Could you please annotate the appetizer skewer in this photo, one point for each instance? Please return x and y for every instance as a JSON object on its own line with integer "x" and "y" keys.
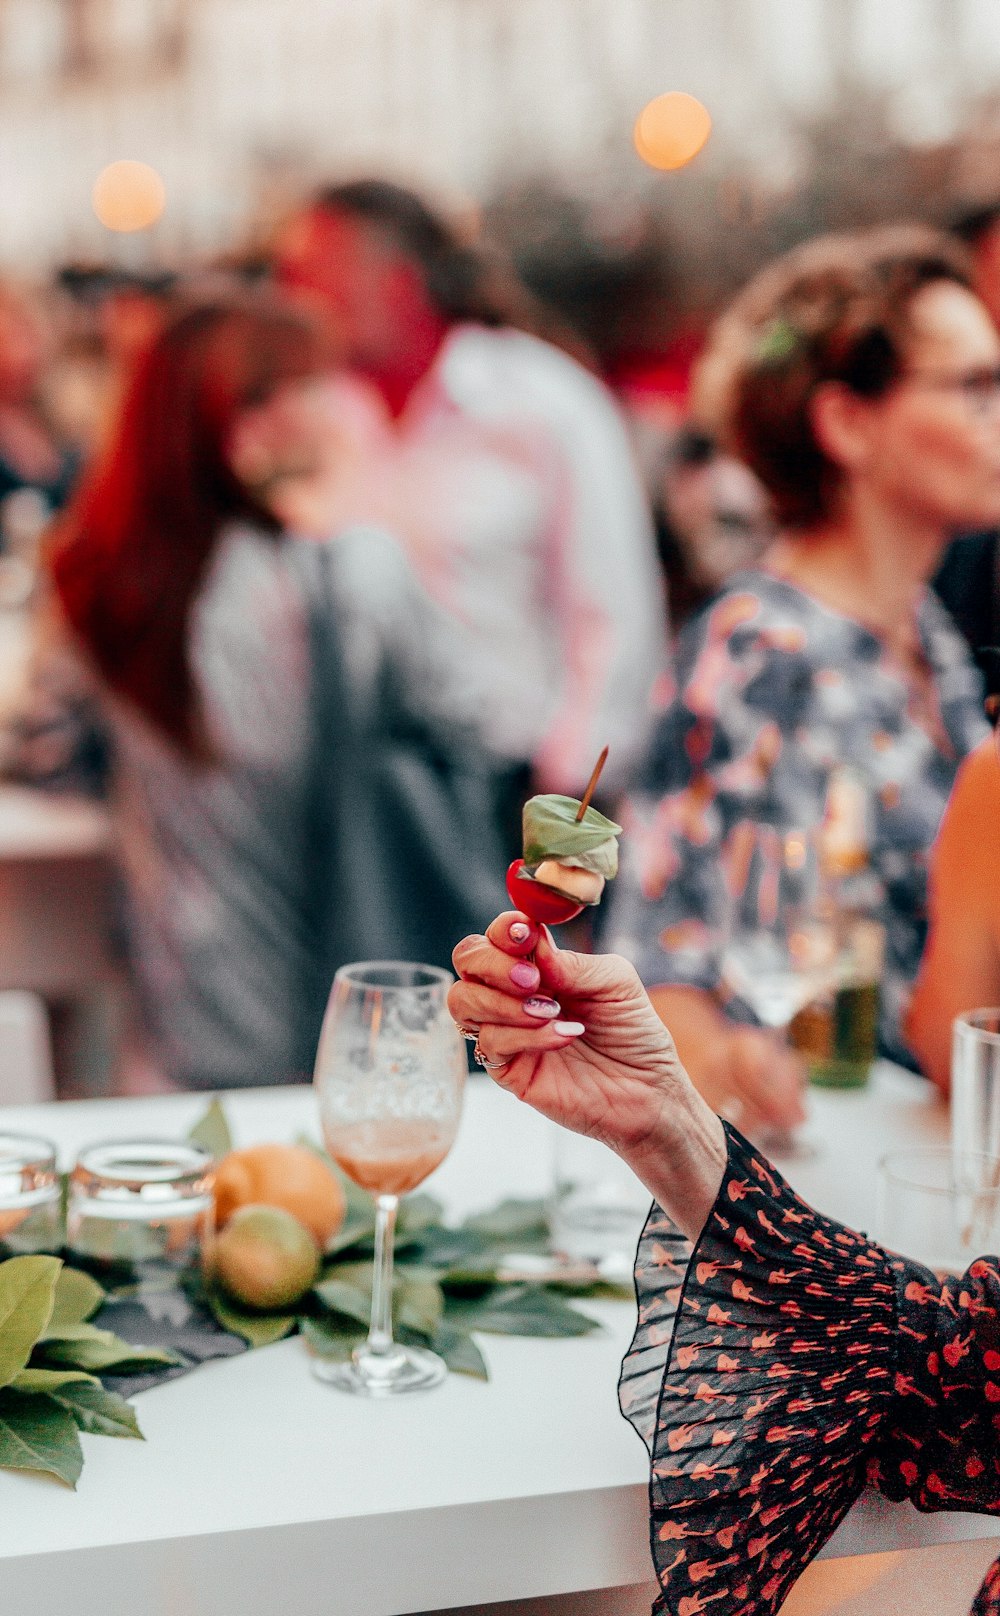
{"x": 570, "y": 851}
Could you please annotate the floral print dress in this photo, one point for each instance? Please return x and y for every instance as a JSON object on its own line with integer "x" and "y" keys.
{"x": 775, "y": 692}
{"x": 791, "y": 1363}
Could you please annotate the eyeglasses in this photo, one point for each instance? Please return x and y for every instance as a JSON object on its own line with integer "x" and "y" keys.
{"x": 980, "y": 388}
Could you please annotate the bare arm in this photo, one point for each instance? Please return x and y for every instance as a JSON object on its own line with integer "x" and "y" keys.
{"x": 960, "y": 969}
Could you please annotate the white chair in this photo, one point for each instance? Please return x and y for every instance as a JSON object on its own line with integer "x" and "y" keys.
{"x": 25, "y": 1050}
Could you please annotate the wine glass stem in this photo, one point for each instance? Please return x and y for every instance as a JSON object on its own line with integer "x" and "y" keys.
{"x": 380, "y": 1331}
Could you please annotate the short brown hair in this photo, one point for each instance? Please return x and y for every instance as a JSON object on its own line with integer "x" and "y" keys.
{"x": 835, "y": 309}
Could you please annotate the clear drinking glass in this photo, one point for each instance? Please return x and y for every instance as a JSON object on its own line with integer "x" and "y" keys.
{"x": 598, "y": 1205}
{"x": 780, "y": 952}
{"x": 928, "y": 1211}
{"x": 975, "y": 1085}
{"x": 390, "y": 1072}
{"x": 30, "y": 1201}
{"x": 140, "y": 1206}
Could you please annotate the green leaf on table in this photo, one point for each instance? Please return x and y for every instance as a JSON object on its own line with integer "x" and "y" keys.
{"x": 597, "y": 1290}
{"x": 329, "y": 1340}
{"x": 212, "y": 1133}
{"x": 77, "y": 1298}
{"x": 257, "y": 1329}
{"x": 459, "y": 1352}
{"x": 345, "y": 1297}
{"x": 36, "y": 1433}
{"x": 417, "y": 1213}
{"x": 98, "y": 1412}
{"x": 526, "y": 1310}
{"x": 49, "y": 1380}
{"x": 417, "y": 1303}
{"x": 353, "y": 1232}
{"x": 511, "y": 1220}
{"x": 84, "y": 1346}
{"x": 27, "y": 1290}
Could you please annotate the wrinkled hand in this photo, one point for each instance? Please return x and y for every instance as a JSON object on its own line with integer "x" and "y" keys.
{"x": 576, "y": 1034}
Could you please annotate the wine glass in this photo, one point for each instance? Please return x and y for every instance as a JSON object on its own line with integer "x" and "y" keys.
{"x": 390, "y": 1071}
{"x": 780, "y": 950}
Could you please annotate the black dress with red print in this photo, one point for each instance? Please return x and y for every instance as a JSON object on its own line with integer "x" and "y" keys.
{"x": 794, "y": 1362}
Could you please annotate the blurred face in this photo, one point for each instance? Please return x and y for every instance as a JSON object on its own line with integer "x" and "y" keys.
{"x": 931, "y": 445}
{"x": 367, "y": 293}
{"x": 286, "y": 437}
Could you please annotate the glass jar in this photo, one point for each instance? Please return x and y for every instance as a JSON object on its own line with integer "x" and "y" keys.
{"x": 139, "y": 1206}
{"x": 30, "y": 1196}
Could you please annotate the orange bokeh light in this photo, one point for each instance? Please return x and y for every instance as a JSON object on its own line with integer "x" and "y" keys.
{"x": 128, "y": 196}
{"x": 671, "y": 130}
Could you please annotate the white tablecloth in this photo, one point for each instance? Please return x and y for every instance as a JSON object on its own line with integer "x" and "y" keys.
{"x": 261, "y": 1491}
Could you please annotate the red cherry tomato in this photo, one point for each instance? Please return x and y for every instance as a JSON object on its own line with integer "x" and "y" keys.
{"x": 539, "y": 902}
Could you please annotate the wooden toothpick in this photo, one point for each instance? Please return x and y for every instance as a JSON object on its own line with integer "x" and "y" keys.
{"x": 592, "y": 785}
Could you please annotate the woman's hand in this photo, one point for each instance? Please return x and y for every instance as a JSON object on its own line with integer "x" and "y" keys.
{"x": 747, "y": 1074}
{"x": 576, "y": 1037}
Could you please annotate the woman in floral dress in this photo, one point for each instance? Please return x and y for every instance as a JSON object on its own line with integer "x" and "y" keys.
{"x": 859, "y": 378}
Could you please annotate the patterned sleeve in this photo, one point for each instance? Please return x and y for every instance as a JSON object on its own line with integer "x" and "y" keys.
{"x": 728, "y": 755}
{"x": 802, "y": 1361}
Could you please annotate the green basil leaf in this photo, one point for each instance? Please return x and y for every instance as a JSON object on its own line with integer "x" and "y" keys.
{"x": 98, "y": 1412}
{"x": 550, "y": 829}
{"x": 27, "y": 1291}
{"x": 259, "y": 1329}
{"x": 212, "y": 1132}
{"x": 37, "y": 1434}
{"x": 77, "y": 1298}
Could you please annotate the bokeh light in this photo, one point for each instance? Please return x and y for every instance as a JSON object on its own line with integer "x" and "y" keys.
{"x": 671, "y": 130}
{"x": 128, "y": 196}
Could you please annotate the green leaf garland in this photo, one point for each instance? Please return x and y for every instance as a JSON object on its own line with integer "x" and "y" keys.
{"x": 27, "y": 1294}
{"x": 37, "y": 1433}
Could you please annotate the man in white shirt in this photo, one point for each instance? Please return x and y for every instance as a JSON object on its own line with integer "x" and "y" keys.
{"x": 504, "y": 467}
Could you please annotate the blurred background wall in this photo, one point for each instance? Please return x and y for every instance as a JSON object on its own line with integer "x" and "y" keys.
{"x": 236, "y": 102}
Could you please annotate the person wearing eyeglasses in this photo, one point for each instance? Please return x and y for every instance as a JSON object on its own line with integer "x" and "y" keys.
{"x": 858, "y": 378}
{"x": 793, "y": 1360}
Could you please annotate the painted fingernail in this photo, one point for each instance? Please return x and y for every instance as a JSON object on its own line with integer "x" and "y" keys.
{"x": 519, "y": 932}
{"x": 524, "y": 974}
{"x": 568, "y": 1029}
{"x": 544, "y": 1009}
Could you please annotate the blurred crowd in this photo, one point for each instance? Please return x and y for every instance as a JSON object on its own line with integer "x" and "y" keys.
{"x": 332, "y": 559}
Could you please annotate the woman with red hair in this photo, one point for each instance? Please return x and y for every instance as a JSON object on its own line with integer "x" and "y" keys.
{"x": 275, "y": 726}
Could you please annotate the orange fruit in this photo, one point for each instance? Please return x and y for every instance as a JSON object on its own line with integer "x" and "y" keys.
{"x": 265, "y": 1258}
{"x": 289, "y": 1176}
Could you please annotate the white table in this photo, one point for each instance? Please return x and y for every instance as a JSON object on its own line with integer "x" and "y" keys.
{"x": 259, "y": 1490}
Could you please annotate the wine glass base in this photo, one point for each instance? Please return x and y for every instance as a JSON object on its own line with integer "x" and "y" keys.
{"x": 406, "y": 1369}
